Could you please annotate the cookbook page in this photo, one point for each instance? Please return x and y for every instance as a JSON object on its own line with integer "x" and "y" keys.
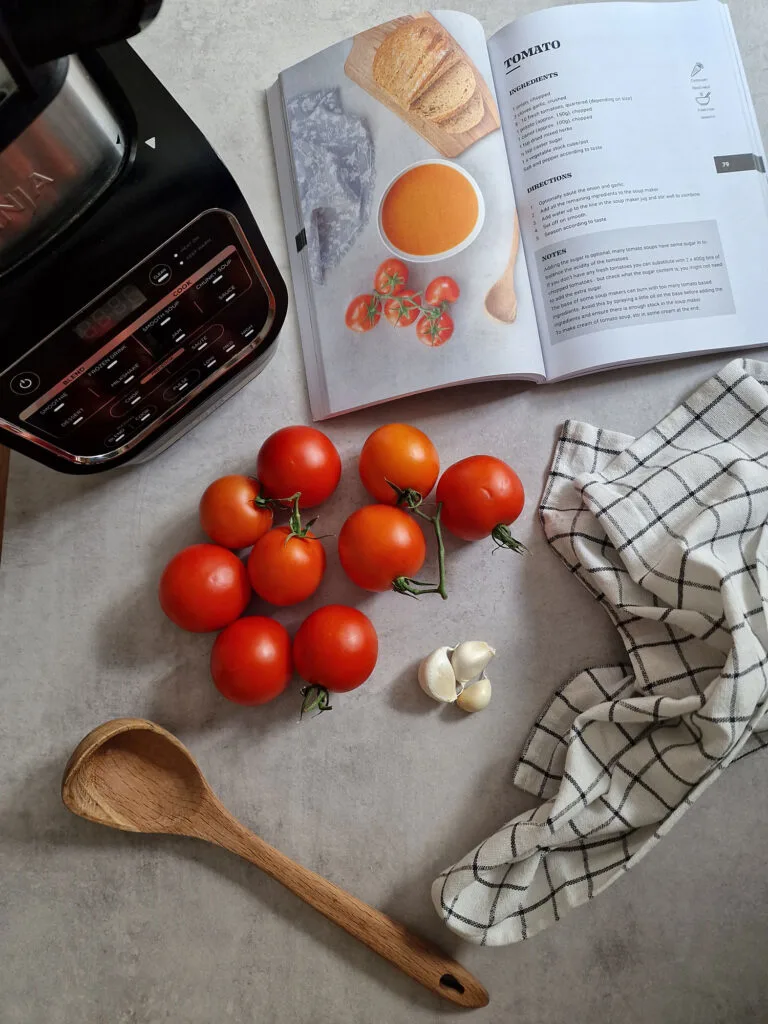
{"x": 640, "y": 177}
{"x": 401, "y": 216}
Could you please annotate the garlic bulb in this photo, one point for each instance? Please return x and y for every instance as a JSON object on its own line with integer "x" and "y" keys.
{"x": 475, "y": 697}
{"x": 470, "y": 659}
{"x": 436, "y": 676}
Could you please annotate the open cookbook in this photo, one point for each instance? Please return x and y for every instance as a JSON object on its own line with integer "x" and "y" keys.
{"x": 585, "y": 189}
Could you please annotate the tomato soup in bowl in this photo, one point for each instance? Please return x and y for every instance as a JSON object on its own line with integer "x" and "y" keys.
{"x": 431, "y": 210}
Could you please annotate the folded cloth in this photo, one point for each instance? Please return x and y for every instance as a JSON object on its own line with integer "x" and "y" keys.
{"x": 335, "y": 173}
{"x": 668, "y": 533}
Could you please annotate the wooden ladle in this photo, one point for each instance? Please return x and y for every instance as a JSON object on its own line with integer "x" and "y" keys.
{"x": 501, "y": 300}
{"x": 134, "y": 775}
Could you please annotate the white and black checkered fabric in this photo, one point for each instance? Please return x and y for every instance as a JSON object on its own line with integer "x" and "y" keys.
{"x": 668, "y": 532}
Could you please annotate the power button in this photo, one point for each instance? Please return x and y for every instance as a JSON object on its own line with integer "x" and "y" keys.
{"x": 25, "y": 383}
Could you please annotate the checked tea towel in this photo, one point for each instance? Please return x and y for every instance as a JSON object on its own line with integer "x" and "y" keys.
{"x": 668, "y": 532}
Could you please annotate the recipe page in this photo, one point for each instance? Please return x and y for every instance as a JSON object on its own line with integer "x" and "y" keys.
{"x": 393, "y": 162}
{"x": 640, "y": 179}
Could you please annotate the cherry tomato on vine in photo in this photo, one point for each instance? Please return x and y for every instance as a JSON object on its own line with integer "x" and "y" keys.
{"x": 402, "y": 310}
{"x": 434, "y": 330}
{"x": 391, "y": 277}
{"x": 442, "y": 289}
{"x": 363, "y": 313}
{"x": 378, "y": 544}
{"x": 336, "y": 647}
{"x": 480, "y": 497}
{"x": 204, "y": 587}
{"x": 401, "y": 455}
{"x": 251, "y": 660}
{"x": 299, "y": 459}
{"x": 284, "y": 567}
{"x": 230, "y": 513}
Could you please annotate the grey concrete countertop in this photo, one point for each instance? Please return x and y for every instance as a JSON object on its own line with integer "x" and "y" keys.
{"x": 108, "y": 928}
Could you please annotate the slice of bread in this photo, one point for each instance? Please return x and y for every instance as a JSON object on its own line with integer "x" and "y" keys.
{"x": 467, "y": 118}
{"x": 450, "y": 91}
{"x": 408, "y": 60}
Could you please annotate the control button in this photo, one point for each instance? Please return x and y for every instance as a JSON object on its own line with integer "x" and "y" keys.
{"x": 25, "y": 383}
{"x": 181, "y": 384}
{"x": 116, "y": 439}
{"x": 160, "y": 274}
{"x": 210, "y": 362}
{"x": 131, "y": 400}
{"x": 144, "y": 415}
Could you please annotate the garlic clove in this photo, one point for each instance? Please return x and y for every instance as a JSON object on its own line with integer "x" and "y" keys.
{"x": 475, "y": 697}
{"x": 470, "y": 659}
{"x": 436, "y": 676}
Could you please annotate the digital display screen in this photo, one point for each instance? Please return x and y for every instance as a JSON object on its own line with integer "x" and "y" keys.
{"x": 110, "y": 313}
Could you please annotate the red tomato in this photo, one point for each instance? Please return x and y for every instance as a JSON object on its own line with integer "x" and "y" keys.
{"x": 434, "y": 330}
{"x": 403, "y": 309}
{"x": 379, "y": 543}
{"x": 204, "y": 587}
{"x": 299, "y": 459}
{"x": 251, "y": 660}
{"x": 336, "y": 647}
{"x": 391, "y": 277}
{"x": 479, "y": 495}
{"x": 398, "y": 454}
{"x": 285, "y": 568}
{"x": 442, "y": 289}
{"x": 229, "y": 513}
{"x": 363, "y": 313}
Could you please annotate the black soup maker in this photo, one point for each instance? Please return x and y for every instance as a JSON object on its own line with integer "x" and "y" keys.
{"x": 136, "y": 291}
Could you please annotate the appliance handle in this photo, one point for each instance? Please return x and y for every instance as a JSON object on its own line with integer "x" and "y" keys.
{"x": 43, "y": 30}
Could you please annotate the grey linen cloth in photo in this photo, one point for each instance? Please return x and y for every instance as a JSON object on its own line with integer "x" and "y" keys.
{"x": 335, "y": 174}
{"x": 668, "y": 532}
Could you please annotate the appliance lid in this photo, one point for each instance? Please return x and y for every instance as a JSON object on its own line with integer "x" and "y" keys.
{"x": 44, "y": 30}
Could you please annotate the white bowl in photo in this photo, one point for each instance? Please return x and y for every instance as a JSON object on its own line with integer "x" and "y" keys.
{"x": 432, "y": 257}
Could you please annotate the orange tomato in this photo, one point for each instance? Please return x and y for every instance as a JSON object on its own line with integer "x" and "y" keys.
{"x": 229, "y": 513}
{"x": 285, "y": 568}
{"x": 378, "y": 544}
{"x": 402, "y": 455}
{"x": 478, "y": 495}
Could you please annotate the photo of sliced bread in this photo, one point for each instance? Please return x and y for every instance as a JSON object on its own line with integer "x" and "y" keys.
{"x": 409, "y": 58}
{"x": 449, "y": 92}
{"x": 467, "y": 118}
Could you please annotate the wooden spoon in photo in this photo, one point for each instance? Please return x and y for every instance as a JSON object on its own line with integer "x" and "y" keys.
{"x": 134, "y": 775}
{"x": 501, "y": 301}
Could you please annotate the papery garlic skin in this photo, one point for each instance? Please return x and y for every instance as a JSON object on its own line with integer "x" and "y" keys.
{"x": 470, "y": 659}
{"x": 475, "y": 697}
{"x": 437, "y": 678}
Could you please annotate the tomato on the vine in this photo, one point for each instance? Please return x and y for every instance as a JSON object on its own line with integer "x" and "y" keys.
{"x": 251, "y": 660}
{"x": 363, "y": 313}
{"x": 299, "y": 459}
{"x": 401, "y": 455}
{"x": 391, "y": 277}
{"x": 230, "y": 513}
{"x": 480, "y": 497}
{"x": 204, "y": 587}
{"x": 336, "y": 648}
{"x": 434, "y": 330}
{"x": 284, "y": 567}
{"x": 379, "y": 544}
{"x": 402, "y": 310}
{"x": 442, "y": 289}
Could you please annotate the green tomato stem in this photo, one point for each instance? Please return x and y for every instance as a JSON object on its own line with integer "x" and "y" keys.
{"x": 415, "y": 588}
{"x": 502, "y": 538}
{"x": 316, "y": 698}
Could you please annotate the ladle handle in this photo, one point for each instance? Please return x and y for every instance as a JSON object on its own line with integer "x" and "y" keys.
{"x": 415, "y": 956}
